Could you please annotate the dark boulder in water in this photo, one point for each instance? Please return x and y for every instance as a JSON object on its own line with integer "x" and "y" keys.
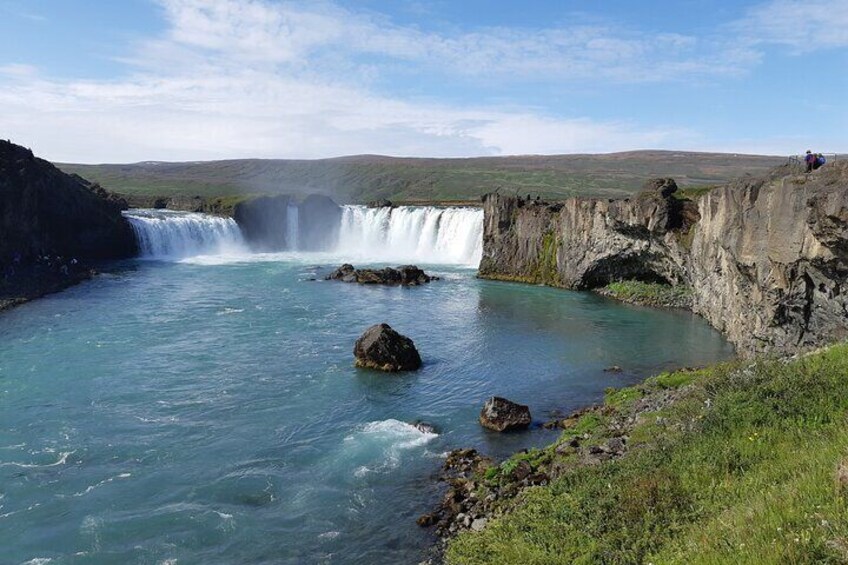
{"x": 405, "y": 275}
{"x": 44, "y": 211}
{"x": 382, "y": 348}
{"x": 500, "y": 415}
{"x": 425, "y": 428}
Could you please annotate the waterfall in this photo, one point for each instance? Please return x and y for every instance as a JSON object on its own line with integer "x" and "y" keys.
{"x": 292, "y": 228}
{"x": 165, "y": 234}
{"x": 426, "y": 234}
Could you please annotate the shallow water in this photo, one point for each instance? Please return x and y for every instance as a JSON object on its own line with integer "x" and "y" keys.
{"x": 209, "y": 411}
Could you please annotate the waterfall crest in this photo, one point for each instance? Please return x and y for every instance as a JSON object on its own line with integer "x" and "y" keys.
{"x": 406, "y": 234}
{"x": 165, "y": 234}
{"x": 426, "y": 234}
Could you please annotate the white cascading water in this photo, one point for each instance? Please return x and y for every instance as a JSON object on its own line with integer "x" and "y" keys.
{"x": 426, "y": 234}
{"x": 165, "y": 234}
{"x": 292, "y": 228}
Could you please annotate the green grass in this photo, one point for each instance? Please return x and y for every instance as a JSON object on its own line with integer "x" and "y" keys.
{"x": 649, "y": 294}
{"x": 370, "y": 177}
{"x": 741, "y": 469}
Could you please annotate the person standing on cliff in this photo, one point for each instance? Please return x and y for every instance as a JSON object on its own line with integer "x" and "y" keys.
{"x": 810, "y": 160}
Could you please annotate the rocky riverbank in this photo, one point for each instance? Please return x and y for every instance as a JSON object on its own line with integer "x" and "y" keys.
{"x": 29, "y": 283}
{"x": 765, "y": 258}
{"x": 690, "y": 466}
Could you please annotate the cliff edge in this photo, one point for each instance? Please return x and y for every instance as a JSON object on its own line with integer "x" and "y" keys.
{"x": 766, "y": 258}
{"x": 45, "y": 211}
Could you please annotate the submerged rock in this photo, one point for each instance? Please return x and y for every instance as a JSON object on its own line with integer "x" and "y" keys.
{"x": 425, "y": 428}
{"x": 405, "y": 275}
{"x": 382, "y": 348}
{"x": 500, "y": 415}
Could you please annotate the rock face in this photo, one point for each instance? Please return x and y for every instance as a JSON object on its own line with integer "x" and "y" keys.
{"x": 262, "y": 221}
{"x": 405, "y": 275}
{"x": 766, "y": 258}
{"x": 382, "y": 348}
{"x": 45, "y": 211}
{"x": 500, "y": 415}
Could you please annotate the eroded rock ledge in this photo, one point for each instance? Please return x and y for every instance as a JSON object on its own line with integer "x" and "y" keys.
{"x": 765, "y": 258}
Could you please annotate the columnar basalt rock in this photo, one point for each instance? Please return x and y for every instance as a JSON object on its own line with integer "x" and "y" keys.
{"x": 766, "y": 258}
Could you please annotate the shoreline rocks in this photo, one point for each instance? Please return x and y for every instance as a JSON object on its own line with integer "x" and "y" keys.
{"x": 500, "y": 415}
{"x": 405, "y": 275}
{"x": 382, "y": 348}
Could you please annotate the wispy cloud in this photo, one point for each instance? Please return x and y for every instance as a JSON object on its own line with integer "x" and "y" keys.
{"x": 804, "y": 26}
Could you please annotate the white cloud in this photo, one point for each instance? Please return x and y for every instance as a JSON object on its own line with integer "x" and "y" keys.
{"x": 250, "y": 78}
{"x": 803, "y": 25}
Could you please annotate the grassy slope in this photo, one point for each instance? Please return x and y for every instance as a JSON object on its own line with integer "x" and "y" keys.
{"x": 367, "y": 177}
{"x": 742, "y": 469}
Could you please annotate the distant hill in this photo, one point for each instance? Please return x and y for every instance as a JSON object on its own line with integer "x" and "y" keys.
{"x": 368, "y": 177}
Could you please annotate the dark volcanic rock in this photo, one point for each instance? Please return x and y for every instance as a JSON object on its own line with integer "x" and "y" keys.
{"x": 406, "y": 275}
{"x": 381, "y": 203}
{"x": 44, "y": 211}
{"x": 664, "y": 186}
{"x": 262, "y": 220}
{"x": 382, "y": 348}
{"x": 500, "y": 414}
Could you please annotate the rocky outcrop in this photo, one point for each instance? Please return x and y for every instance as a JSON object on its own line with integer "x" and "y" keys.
{"x": 266, "y": 222}
{"x": 500, "y": 415}
{"x": 405, "y": 275}
{"x": 384, "y": 349}
{"x": 765, "y": 258}
{"x": 582, "y": 243}
{"x": 44, "y": 211}
{"x": 262, "y": 221}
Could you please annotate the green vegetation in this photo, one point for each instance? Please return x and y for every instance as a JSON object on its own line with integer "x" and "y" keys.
{"x": 649, "y": 294}
{"x": 371, "y": 177}
{"x": 694, "y": 192}
{"x": 748, "y": 464}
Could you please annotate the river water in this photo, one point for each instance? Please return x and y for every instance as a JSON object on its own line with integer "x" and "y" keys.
{"x": 205, "y": 409}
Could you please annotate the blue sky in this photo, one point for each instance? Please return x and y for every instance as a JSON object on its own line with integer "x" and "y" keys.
{"x": 104, "y": 81}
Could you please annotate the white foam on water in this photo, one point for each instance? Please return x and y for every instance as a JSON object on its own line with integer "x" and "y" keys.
{"x": 63, "y": 458}
{"x": 170, "y": 235}
{"x": 378, "y": 446}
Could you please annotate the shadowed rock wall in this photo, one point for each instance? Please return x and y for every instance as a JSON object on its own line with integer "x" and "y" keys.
{"x": 766, "y": 258}
{"x": 45, "y": 211}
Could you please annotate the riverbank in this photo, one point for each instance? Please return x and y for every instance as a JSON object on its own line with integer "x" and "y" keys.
{"x": 29, "y": 283}
{"x": 742, "y": 462}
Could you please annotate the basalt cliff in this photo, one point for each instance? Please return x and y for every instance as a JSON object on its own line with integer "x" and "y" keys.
{"x": 44, "y": 211}
{"x": 765, "y": 258}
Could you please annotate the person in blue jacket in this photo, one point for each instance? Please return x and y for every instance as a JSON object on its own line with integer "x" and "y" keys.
{"x": 810, "y": 159}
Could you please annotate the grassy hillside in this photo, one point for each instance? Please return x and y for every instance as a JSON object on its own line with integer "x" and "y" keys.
{"x": 747, "y": 464}
{"x": 369, "y": 177}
